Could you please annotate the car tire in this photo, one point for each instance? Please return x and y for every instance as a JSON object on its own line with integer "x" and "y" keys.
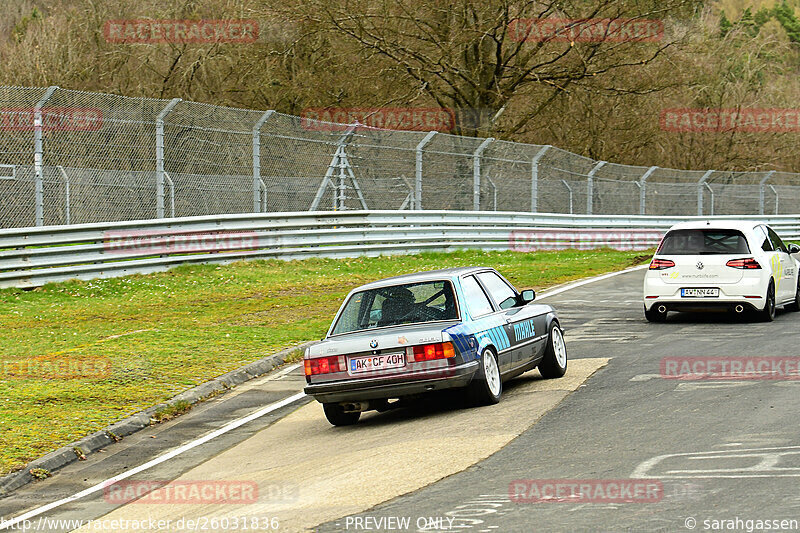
{"x": 652, "y": 315}
{"x": 768, "y": 313}
{"x": 554, "y": 363}
{"x": 795, "y": 305}
{"x": 336, "y": 415}
{"x": 486, "y": 386}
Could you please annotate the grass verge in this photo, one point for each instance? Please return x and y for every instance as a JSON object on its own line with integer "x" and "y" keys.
{"x": 77, "y": 356}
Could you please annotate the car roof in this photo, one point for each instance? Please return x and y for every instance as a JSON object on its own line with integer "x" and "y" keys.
{"x": 429, "y": 275}
{"x": 741, "y": 225}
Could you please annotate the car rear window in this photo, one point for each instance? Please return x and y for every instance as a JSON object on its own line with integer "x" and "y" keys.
{"x": 395, "y": 305}
{"x": 703, "y": 242}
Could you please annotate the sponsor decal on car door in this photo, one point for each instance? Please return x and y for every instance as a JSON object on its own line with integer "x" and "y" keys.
{"x": 782, "y": 266}
{"x": 526, "y": 328}
{"x": 522, "y": 324}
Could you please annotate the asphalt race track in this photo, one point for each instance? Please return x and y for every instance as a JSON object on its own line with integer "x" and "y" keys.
{"x": 719, "y": 449}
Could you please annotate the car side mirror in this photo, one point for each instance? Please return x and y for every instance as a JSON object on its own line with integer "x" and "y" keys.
{"x": 527, "y": 296}
{"x": 793, "y": 248}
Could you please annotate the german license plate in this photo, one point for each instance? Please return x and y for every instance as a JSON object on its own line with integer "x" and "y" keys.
{"x": 359, "y": 365}
{"x": 700, "y": 293}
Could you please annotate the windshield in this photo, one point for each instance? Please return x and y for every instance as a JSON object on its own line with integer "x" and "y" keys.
{"x": 397, "y": 304}
{"x": 704, "y": 242}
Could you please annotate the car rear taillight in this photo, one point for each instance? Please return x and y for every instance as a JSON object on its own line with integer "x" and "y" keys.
{"x": 661, "y": 264}
{"x": 324, "y": 365}
{"x": 744, "y": 264}
{"x": 429, "y": 352}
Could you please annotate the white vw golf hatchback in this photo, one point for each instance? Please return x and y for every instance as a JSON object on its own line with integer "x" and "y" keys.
{"x": 731, "y": 265}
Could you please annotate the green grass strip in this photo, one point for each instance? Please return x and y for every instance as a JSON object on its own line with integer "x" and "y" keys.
{"x": 79, "y": 355}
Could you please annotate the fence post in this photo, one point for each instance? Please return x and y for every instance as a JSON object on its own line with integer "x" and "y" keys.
{"x": 66, "y": 194}
{"x": 257, "y": 161}
{"x": 160, "y": 156}
{"x": 338, "y": 164}
{"x": 761, "y": 187}
{"x": 476, "y": 174}
{"x": 38, "y": 155}
{"x": 711, "y": 193}
{"x": 590, "y": 186}
{"x": 777, "y": 199}
{"x": 535, "y": 178}
{"x": 700, "y": 191}
{"x": 569, "y": 191}
{"x": 171, "y": 194}
{"x": 418, "y": 170}
{"x": 643, "y": 189}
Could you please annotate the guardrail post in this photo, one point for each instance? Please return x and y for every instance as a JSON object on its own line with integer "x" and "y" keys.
{"x": 643, "y": 189}
{"x": 476, "y": 174}
{"x": 38, "y": 155}
{"x": 257, "y": 200}
{"x": 160, "y": 156}
{"x": 590, "y": 186}
{"x": 418, "y": 170}
{"x": 700, "y": 191}
{"x": 535, "y": 178}
{"x": 761, "y": 191}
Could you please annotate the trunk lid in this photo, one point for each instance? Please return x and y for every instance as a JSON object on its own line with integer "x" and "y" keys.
{"x": 701, "y": 270}
{"x": 390, "y": 339}
{"x": 380, "y": 352}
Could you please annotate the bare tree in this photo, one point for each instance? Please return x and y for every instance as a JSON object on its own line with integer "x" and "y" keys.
{"x": 487, "y": 55}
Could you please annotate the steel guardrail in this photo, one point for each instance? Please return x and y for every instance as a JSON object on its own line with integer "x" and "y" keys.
{"x": 31, "y": 257}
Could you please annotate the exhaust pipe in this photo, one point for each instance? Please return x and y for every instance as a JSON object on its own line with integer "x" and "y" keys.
{"x": 739, "y": 308}
{"x": 354, "y": 407}
{"x": 662, "y": 309}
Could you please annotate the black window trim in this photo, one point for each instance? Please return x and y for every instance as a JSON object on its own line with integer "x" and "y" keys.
{"x": 765, "y": 235}
{"x": 495, "y": 305}
{"x": 770, "y": 233}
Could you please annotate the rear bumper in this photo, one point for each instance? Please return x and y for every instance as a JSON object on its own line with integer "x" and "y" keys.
{"x": 710, "y": 305}
{"x": 380, "y": 388}
{"x": 730, "y": 294}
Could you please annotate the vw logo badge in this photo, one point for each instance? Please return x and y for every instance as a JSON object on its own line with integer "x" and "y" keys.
{"x": 699, "y": 265}
{"x": 373, "y": 343}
